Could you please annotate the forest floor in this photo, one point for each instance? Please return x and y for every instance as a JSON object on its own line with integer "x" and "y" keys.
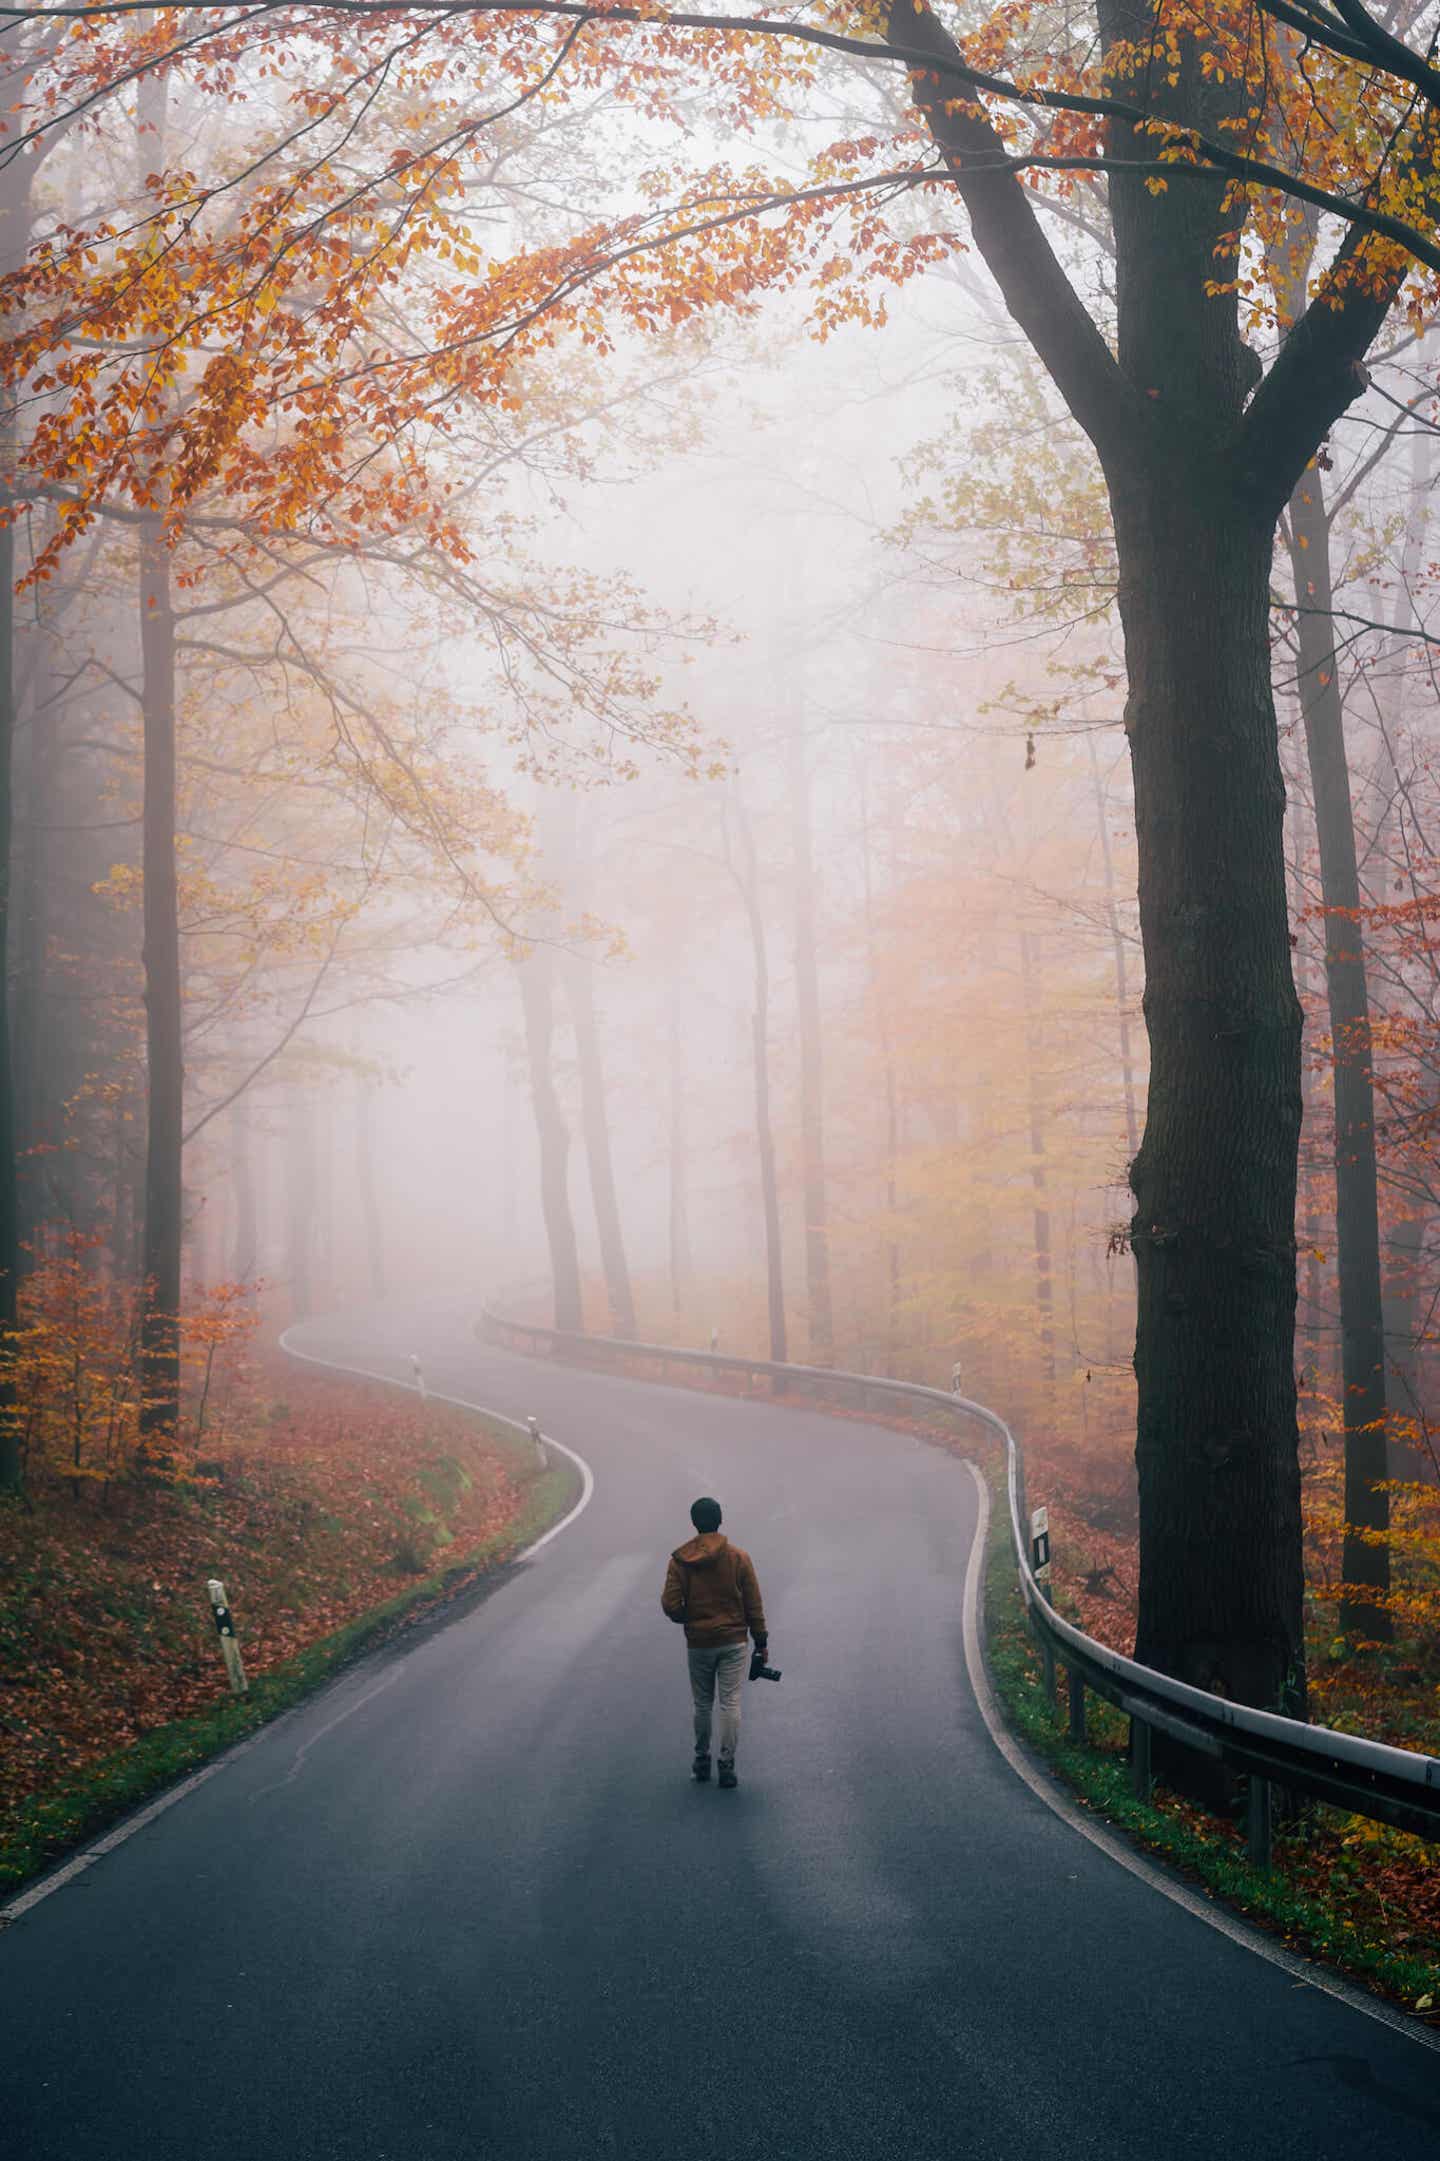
{"x": 334, "y": 1514}
{"x": 1349, "y": 1891}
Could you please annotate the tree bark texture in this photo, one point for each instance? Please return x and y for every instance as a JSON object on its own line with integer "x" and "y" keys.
{"x": 1117, "y": 948}
{"x": 595, "y": 1123}
{"x": 1214, "y": 1179}
{"x": 537, "y": 995}
{"x": 1365, "y": 1564}
{"x": 160, "y": 1260}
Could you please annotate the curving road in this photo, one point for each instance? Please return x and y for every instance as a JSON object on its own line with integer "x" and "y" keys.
{"x": 466, "y": 1903}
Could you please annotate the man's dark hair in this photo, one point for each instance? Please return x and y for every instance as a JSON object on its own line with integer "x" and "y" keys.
{"x": 705, "y": 1514}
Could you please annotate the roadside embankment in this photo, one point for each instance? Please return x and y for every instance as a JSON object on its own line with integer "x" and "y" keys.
{"x": 339, "y": 1514}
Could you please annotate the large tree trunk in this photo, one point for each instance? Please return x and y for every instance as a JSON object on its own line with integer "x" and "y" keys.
{"x": 537, "y": 997}
{"x": 1214, "y": 1179}
{"x": 160, "y": 1260}
{"x": 595, "y": 1123}
{"x": 1357, "y": 1215}
{"x": 812, "y": 1071}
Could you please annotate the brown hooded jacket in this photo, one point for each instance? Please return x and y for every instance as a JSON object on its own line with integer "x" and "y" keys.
{"x": 710, "y": 1585}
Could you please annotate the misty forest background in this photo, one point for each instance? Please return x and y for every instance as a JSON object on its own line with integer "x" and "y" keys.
{"x": 652, "y": 828}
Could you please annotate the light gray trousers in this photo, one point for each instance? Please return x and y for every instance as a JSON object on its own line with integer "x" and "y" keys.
{"x": 721, "y": 1671}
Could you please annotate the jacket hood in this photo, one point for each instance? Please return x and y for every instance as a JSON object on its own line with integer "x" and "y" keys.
{"x": 705, "y": 1546}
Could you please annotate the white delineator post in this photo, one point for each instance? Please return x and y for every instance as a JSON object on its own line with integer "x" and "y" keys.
{"x": 419, "y": 1376}
{"x": 1040, "y": 1548}
{"x": 538, "y": 1438}
{"x": 956, "y": 1386}
{"x": 225, "y": 1630}
{"x": 1040, "y": 1568}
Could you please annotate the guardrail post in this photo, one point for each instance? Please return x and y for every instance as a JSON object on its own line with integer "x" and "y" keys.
{"x": 1077, "y": 1705}
{"x": 1141, "y": 1780}
{"x": 1048, "y": 1655}
{"x": 1257, "y": 1821}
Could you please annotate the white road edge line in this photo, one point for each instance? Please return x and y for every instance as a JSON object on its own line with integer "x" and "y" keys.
{"x": 87, "y": 1858}
{"x": 1302, "y": 1970}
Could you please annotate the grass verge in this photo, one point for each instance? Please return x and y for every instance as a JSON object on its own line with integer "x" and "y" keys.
{"x": 1346, "y": 1927}
{"x": 44, "y": 1830}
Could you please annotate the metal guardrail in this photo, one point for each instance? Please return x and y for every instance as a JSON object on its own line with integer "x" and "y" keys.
{"x": 1397, "y": 1786}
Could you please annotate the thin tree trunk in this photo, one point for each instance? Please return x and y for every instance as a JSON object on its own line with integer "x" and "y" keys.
{"x": 37, "y": 1134}
{"x": 812, "y": 1071}
{"x": 1044, "y": 1259}
{"x": 160, "y": 1267}
{"x": 245, "y": 1253}
{"x": 15, "y": 188}
{"x": 1357, "y": 1216}
{"x": 300, "y": 1200}
{"x": 1405, "y": 1243}
{"x": 365, "y": 1180}
{"x": 165, "y": 1076}
{"x": 1311, "y": 1305}
{"x": 537, "y": 997}
{"x": 682, "y": 1265}
{"x": 748, "y": 882}
{"x": 10, "y": 1460}
{"x": 595, "y": 1124}
{"x": 892, "y": 1103}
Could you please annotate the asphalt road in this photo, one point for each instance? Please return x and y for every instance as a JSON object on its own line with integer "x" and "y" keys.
{"x": 467, "y": 1902}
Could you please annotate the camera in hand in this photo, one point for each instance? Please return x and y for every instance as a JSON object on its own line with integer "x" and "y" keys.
{"x": 759, "y": 1671}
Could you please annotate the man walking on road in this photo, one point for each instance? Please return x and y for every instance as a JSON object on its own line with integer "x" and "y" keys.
{"x": 710, "y": 1585}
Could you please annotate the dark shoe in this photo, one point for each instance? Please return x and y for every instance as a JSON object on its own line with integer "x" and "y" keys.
{"x": 727, "y": 1775}
{"x": 700, "y": 1770}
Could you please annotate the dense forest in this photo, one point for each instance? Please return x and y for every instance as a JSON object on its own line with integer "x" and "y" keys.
{"x": 747, "y": 680}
